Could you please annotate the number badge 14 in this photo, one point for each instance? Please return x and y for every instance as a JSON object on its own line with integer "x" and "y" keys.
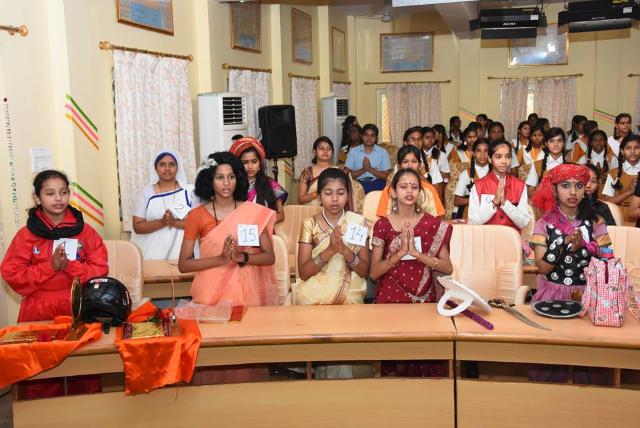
{"x": 356, "y": 234}
{"x": 248, "y": 235}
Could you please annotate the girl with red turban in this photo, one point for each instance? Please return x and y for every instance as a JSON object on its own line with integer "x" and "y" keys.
{"x": 568, "y": 234}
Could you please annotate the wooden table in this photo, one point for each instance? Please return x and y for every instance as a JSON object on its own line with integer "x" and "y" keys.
{"x": 368, "y": 333}
{"x": 268, "y": 335}
{"x": 501, "y": 402}
{"x": 158, "y": 275}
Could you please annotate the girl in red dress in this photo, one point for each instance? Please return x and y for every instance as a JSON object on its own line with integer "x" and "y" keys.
{"x": 410, "y": 249}
{"x": 42, "y": 274}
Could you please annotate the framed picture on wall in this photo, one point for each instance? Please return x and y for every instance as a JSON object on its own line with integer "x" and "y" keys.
{"x": 338, "y": 49}
{"x": 406, "y": 52}
{"x": 245, "y": 26}
{"x": 155, "y": 15}
{"x": 302, "y": 36}
{"x": 551, "y": 48}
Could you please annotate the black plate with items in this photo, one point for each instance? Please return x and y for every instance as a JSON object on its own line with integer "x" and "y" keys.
{"x": 557, "y": 308}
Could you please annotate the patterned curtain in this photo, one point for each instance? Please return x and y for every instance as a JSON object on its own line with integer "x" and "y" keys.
{"x": 412, "y": 104}
{"x": 256, "y": 86}
{"x": 304, "y": 97}
{"x": 556, "y": 99}
{"x": 153, "y": 112}
{"x": 341, "y": 89}
{"x": 513, "y": 105}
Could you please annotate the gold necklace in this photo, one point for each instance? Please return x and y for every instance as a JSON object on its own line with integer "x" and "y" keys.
{"x": 568, "y": 216}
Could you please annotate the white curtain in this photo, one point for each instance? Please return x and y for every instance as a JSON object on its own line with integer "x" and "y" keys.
{"x": 256, "y": 86}
{"x": 513, "y": 104}
{"x": 341, "y": 89}
{"x": 412, "y": 104}
{"x": 304, "y": 97}
{"x": 153, "y": 112}
{"x": 556, "y": 99}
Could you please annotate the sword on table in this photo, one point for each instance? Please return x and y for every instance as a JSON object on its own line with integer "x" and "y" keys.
{"x": 501, "y": 304}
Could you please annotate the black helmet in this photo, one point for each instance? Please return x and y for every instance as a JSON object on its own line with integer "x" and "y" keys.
{"x": 105, "y": 300}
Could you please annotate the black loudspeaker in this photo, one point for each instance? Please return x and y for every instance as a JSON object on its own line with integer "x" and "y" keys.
{"x": 278, "y": 125}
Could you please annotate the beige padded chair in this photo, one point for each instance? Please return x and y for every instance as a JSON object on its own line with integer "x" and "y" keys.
{"x": 370, "y": 205}
{"x": 488, "y": 258}
{"x": 358, "y": 194}
{"x": 523, "y": 171}
{"x": 626, "y": 245}
{"x": 449, "y": 195}
{"x": 283, "y": 273}
{"x": 125, "y": 265}
{"x": 392, "y": 150}
{"x": 294, "y": 216}
{"x": 616, "y": 213}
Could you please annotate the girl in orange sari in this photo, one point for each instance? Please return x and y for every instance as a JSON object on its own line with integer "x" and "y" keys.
{"x": 226, "y": 271}
{"x": 242, "y": 275}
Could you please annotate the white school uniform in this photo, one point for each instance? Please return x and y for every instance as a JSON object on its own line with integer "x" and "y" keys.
{"x": 532, "y": 178}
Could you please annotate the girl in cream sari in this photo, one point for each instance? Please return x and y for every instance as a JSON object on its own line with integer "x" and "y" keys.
{"x": 333, "y": 258}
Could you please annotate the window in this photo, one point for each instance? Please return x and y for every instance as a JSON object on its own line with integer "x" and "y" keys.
{"x": 383, "y": 116}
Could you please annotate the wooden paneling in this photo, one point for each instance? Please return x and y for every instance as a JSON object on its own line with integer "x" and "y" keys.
{"x": 514, "y": 405}
{"x": 333, "y": 403}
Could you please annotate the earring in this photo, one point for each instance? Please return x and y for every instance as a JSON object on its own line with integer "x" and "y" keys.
{"x": 394, "y": 205}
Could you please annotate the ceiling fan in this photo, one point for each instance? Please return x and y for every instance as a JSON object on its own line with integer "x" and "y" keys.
{"x": 386, "y": 15}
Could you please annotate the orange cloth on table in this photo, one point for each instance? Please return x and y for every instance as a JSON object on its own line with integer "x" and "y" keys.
{"x": 385, "y": 196}
{"x": 243, "y": 286}
{"x": 22, "y": 360}
{"x": 154, "y": 362}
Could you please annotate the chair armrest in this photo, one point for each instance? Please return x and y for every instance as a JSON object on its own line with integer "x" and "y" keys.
{"x": 521, "y": 295}
{"x": 283, "y": 235}
{"x": 508, "y": 279}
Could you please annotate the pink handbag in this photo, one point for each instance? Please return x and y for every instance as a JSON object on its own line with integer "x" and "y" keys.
{"x": 608, "y": 293}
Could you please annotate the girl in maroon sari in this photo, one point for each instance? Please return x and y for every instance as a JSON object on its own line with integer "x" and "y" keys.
{"x": 410, "y": 249}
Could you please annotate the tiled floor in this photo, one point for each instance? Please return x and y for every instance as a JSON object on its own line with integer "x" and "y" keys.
{"x": 6, "y": 421}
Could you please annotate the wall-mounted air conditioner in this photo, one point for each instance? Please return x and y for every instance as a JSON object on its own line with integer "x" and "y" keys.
{"x": 334, "y": 111}
{"x": 221, "y": 116}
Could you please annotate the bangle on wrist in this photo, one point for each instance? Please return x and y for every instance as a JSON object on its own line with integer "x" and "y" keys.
{"x": 245, "y": 259}
{"x": 435, "y": 265}
{"x": 389, "y": 263}
{"x": 356, "y": 260}
{"x": 318, "y": 261}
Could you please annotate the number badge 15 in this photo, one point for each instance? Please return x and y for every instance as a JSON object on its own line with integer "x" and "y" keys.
{"x": 248, "y": 235}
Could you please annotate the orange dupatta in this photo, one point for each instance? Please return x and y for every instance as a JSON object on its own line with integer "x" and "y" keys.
{"x": 154, "y": 362}
{"x": 243, "y": 286}
{"x": 23, "y": 360}
{"x": 384, "y": 209}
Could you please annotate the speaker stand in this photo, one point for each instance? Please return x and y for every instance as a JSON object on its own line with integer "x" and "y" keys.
{"x": 274, "y": 169}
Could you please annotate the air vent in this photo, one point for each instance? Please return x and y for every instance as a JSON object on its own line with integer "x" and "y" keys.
{"x": 233, "y": 109}
{"x": 342, "y": 107}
